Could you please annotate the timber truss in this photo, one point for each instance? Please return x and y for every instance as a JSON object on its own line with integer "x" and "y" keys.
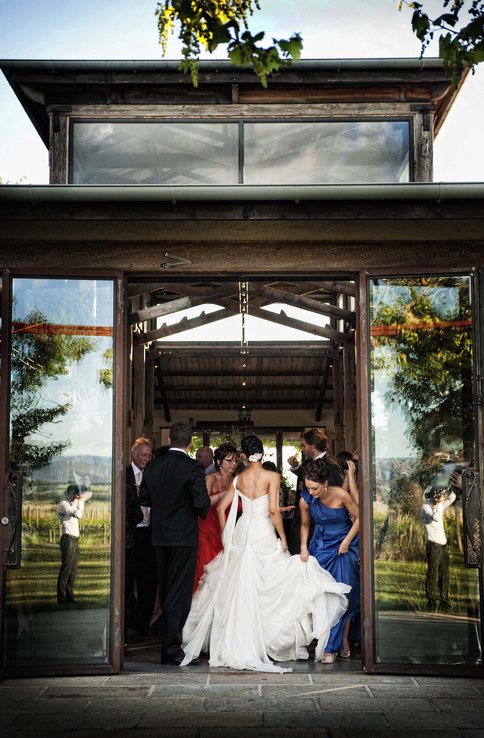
{"x": 314, "y": 373}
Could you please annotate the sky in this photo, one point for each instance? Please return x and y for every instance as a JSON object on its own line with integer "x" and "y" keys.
{"x": 126, "y": 29}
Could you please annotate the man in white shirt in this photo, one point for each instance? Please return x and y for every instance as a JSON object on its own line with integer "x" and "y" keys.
{"x": 436, "y": 548}
{"x": 69, "y": 512}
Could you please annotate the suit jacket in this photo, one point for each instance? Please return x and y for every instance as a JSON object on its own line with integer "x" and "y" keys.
{"x": 174, "y": 487}
{"x": 134, "y": 513}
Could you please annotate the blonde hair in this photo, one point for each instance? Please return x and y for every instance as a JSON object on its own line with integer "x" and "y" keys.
{"x": 141, "y": 441}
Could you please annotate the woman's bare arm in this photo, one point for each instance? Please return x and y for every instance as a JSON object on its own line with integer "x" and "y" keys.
{"x": 225, "y": 501}
{"x": 274, "y": 512}
{"x": 305, "y": 522}
{"x": 353, "y": 510}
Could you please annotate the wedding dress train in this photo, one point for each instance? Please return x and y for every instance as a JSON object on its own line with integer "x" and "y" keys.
{"x": 257, "y": 602}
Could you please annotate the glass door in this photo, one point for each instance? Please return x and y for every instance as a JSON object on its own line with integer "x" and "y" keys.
{"x": 420, "y": 346}
{"x": 61, "y": 587}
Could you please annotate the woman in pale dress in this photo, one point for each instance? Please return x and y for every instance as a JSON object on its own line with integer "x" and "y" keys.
{"x": 256, "y": 602}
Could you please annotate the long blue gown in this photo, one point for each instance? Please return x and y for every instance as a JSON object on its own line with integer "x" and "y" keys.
{"x": 331, "y": 526}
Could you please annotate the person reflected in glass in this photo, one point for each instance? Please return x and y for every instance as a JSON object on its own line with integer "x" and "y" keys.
{"x": 69, "y": 512}
{"x": 334, "y": 543}
{"x": 438, "y": 559}
{"x": 218, "y": 483}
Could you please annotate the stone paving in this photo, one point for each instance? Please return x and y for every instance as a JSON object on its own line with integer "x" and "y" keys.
{"x": 188, "y": 703}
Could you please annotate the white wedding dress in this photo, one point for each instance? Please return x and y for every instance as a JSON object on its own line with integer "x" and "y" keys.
{"x": 257, "y": 603}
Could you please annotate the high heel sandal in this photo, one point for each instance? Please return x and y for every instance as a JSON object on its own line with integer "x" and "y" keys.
{"x": 345, "y": 653}
{"x": 328, "y": 658}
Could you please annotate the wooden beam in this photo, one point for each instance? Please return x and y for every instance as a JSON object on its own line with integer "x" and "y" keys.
{"x": 196, "y": 349}
{"x": 173, "y": 306}
{"x": 340, "y": 288}
{"x": 307, "y": 303}
{"x": 237, "y": 373}
{"x": 283, "y": 319}
{"x": 162, "y": 391}
{"x": 252, "y": 402}
{"x": 258, "y": 389}
{"x": 185, "y": 324}
{"x": 323, "y": 389}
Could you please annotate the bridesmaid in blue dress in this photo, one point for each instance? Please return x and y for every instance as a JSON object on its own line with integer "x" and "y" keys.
{"x": 334, "y": 544}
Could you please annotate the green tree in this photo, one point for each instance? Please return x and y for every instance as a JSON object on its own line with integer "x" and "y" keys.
{"x": 422, "y": 338}
{"x": 37, "y": 357}
{"x": 459, "y": 29}
{"x": 207, "y": 24}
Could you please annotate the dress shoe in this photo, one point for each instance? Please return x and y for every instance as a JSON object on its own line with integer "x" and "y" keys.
{"x": 174, "y": 660}
{"x": 171, "y": 662}
{"x": 178, "y": 662}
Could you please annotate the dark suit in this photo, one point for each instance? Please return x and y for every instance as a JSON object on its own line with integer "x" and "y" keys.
{"x": 335, "y": 480}
{"x": 140, "y": 565}
{"x": 174, "y": 487}
{"x": 134, "y": 515}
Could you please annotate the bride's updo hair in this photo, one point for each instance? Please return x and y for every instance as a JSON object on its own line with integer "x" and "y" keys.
{"x": 317, "y": 471}
{"x": 251, "y": 445}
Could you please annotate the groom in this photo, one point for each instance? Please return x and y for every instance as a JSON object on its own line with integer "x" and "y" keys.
{"x": 174, "y": 487}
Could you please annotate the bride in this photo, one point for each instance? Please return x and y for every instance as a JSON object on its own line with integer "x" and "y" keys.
{"x": 256, "y": 602}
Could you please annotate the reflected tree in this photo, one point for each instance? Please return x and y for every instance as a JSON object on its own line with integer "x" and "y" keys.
{"x": 38, "y": 356}
{"x": 422, "y": 336}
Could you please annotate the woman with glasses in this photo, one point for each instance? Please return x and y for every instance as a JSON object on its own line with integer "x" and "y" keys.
{"x": 209, "y": 532}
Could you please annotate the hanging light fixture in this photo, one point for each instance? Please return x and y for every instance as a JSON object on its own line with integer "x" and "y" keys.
{"x": 244, "y": 413}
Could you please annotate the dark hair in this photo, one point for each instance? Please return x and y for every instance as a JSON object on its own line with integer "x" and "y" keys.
{"x": 180, "y": 435}
{"x": 269, "y": 465}
{"x": 221, "y": 453}
{"x": 316, "y": 437}
{"x": 317, "y": 471}
{"x": 160, "y": 451}
{"x": 74, "y": 491}
{"x": 251, "y": 445}
{"x": 344, "y": 456}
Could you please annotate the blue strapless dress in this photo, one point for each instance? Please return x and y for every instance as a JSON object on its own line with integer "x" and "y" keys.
{"x": 331, "y": 526}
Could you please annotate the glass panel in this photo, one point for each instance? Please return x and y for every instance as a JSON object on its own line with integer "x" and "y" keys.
{"x": 61, "y": 416}
{"x": 326, "y": 152}
{"x": 205, "y": 153}
{"x": 426, "y": 601}
{"x": 155, "y": 153}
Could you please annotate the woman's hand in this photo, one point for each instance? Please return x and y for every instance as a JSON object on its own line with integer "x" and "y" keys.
{"x": 351, "y": 472}
{"x": 304, "y": 553}
{"x": 286, "y": 508}
{"x": 343, "y": 547}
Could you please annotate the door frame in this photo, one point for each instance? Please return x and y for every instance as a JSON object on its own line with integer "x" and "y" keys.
{"x": 120, "y": 333}
{"x": 370, "y": 664}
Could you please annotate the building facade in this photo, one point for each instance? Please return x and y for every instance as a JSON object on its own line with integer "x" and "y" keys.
{"x": 243, "y": 258}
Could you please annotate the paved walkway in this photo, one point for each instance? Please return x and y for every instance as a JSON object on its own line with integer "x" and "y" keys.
{"x": 316, "y": 701}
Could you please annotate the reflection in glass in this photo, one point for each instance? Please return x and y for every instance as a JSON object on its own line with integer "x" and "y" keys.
{"x": 155, "y": 153}
{"x": 326, "y": 152}
{"x": 61, "y": 444}
{"x": 207, "y": 152}
{"x": 427, "y": 602}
